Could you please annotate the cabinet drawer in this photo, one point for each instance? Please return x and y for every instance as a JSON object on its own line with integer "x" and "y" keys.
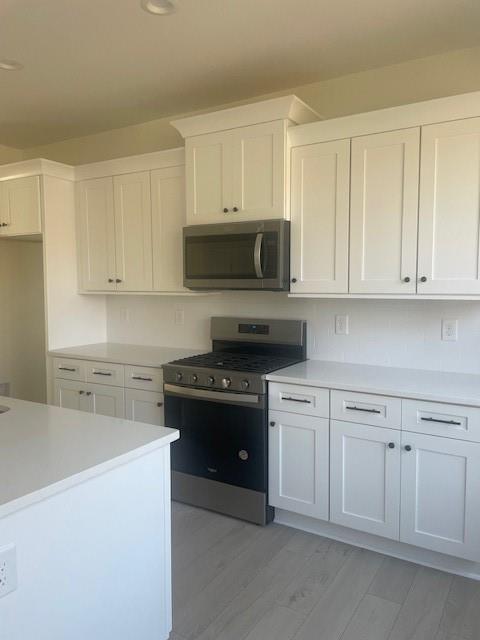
{"x": 146, "y": 378}
{"x": 437, "y": 419}
{"x": 364, "y": 408}
{"x": 105, "y": 373}
{"x": 69, "y": 369}
{"x": 299, "y": 399}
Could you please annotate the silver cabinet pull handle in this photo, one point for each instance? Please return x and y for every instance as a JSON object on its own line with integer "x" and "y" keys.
{"x": 362, "y": 409}
{"x": 66, "y": 369}
{"x": 455, "y": 422}
{"x": 142, "y": 378}
{"x": 101, "y": 373}
{"x": 296, "y": 400}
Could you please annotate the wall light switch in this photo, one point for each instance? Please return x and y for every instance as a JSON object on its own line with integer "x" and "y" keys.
{"x": 450, "y": 330}
{"x": 341, "y": 325}
{"x": 8, "y": 569}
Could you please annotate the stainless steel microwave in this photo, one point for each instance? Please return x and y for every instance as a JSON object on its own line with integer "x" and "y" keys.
{"x": 237, "y": 255}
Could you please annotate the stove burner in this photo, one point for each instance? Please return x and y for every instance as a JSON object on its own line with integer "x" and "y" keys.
{"x": 251, "y": 363}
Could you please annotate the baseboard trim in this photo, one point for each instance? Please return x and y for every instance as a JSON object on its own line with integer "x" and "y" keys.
{"x": 407, "y": 552}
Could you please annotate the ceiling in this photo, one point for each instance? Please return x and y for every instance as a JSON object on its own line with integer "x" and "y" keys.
{"x": 94, "y": 65}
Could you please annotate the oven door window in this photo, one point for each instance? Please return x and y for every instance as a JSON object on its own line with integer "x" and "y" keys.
{"x": 230, "y": 257}
{"x": 219, "y": 441}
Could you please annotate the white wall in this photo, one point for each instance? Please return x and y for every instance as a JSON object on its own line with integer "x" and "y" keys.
{"x": 390, "y": 333}
{"x": 422, "y": 79}
{"x": 22, "y": 319}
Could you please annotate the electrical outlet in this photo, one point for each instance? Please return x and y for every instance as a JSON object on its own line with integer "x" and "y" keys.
{"x": 450, "y": 330}
{"x": 179, "y": 317}
{"x": 8, "y": 570}
{"x": 125, "y": 315}
{"x": 341, "y": 325}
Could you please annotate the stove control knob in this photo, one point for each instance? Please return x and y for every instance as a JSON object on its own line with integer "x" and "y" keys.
{"x": 194, "y": 378}
{"x": 245, "y": 384}
{"x": 179, "y": 376}
{"x": 226, "y": 382}
{"x": 211, "y": 380}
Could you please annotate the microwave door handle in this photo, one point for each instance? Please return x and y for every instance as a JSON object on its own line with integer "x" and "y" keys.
{"x": 257, "y": 255}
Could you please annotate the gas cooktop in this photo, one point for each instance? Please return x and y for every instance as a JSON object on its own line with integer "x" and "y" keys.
{"x": 248, "y": 362}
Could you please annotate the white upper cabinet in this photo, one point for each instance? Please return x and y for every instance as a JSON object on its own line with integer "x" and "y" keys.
{"x": 440, "y": 492}
{"x": 236, "y": 175}
{"x": 236, "y": 160}
{"x": 96, "y": 234}
{"x": 320, "y": 188}
{"x": 449, "y": 224}
{"x": 20, "y": 208}
{"x": 209, "y": 177}
{"x": 259, "y": 169}
{"x": 384, "y": 207}
{"x": 129, "y": 225}
{"x": 168, "y": 220}
{"x": 133, "y": 231}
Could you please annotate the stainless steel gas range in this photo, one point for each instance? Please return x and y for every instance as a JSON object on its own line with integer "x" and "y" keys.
{"x": 218, "y": 401}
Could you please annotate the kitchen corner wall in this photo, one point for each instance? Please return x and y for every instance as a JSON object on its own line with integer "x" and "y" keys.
{"x": 401, "y": 333}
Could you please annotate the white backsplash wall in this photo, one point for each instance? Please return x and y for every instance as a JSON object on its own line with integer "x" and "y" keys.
{"x": 400, "y": 333}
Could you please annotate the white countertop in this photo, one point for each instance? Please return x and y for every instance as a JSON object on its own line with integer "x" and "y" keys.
{"x": 46, "y": 449}
{"x": 116, "y": 352}
{"x": 436, "y": 386}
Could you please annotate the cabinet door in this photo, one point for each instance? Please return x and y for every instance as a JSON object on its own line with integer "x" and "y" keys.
{"x": 440, "y": 494}
{"x": 20, "y": 209}
{"x": 105, "y": 400}
{"x": 298, "y": 463}
{"x": 71, "y": 395}
{"x": 365, "y": 478}
{"x": 449, "y": 223}
{"x": 96, "y": 233}
{"x": 259, "y": 171}
{"x": 144, "y": 406}
{"x": 384, "y": 208}
{"x": 168, "y": 219}
{"x": 133, "y": 232}
{"x": 209, "y": 173}
{"x": 319, "y": 217}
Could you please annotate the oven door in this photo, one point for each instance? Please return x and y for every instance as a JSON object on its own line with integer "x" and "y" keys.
{"x": 240, "y": 255}
{"x": 223, "y": 436}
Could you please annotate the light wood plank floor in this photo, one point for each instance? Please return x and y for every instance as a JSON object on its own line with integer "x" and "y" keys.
{"x": 236, "y": 581}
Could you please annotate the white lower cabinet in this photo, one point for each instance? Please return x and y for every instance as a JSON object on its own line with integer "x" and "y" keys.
{"x": 93, "y": 398}
{"x": 107, "y": 401}
{"x": 393, "y": 481}
{"x": 440, "y": 495}
{"x": 365, "y": 478}
{"x": 298, "y": 468}
{"x": 144, "y": 406}
{"x": 130, "y": 392}
{"x": 70, "y": 394}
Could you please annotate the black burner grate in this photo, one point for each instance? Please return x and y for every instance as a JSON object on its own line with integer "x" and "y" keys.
{"x": 237, "y": 362}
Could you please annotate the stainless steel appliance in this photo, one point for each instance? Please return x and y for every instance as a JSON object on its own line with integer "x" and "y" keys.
{"x": 237, "y": 255}
{"x": 218, "y": 401}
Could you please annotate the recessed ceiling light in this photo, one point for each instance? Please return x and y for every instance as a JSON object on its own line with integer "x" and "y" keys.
{"x": 158, "y": 7}
{"x": 10, "y": 65}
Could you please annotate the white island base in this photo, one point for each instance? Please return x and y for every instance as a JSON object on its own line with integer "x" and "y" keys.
{"x": 92, "y": 549}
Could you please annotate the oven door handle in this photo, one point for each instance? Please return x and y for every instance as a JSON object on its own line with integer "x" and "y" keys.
{"x": 257, "y": 255}
{"x": 206, "y": 394}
